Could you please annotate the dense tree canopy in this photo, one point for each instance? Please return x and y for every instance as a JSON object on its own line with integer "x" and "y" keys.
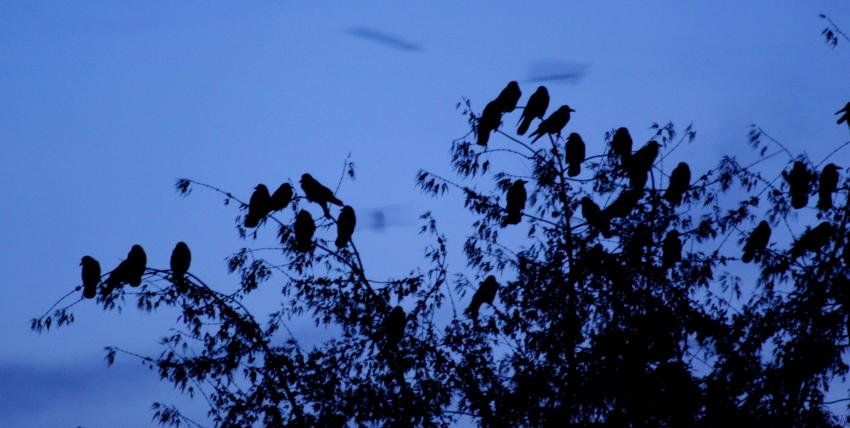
{"x": 627, "y": 302}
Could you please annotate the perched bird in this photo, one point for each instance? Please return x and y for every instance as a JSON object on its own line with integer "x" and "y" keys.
{"x": 258, "y": 206}
{"x": 181, "y": 258}
{"x": 812, "y": 240}
{"x": 393, "y": 326}
{"x": 671, "y": 249}
{"x": 623, "y": 205}
{"x": 827, "y": 185}
{"x": 575, "y": 152}
{"x": 640, "y": 239}
{"x": 534, "y": 108}
{"x": 489, "y": 121}
{"x": 621, "y": 145}
{"x": 680, "y": 181}
{"x": 845, "y": 115}
{"x": 129, "y": 271}
{"x": 485, "y": 294}
{"x": 641, "y": 163}
{"x": 553, "y": 124}
{"x": 91, "y": 276}
{"x": 509, "y": 97}
{"x": 799, "y": 181}
{"x": 516, "y": 198}
{"x": 316, "y": 192}
{"x": 345, "y": 226}
{"x": 756, "y": 242}
{"x": 281, "y": 197}
{"x": 305, "y": 227}
{"x": 593, "y": 216}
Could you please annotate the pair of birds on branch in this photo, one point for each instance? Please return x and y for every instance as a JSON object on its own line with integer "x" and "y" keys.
{"x": 800, "y": 180}
{"x": 812, "y": 240}
{"x": 491, "y": 117}
{"x": 262, "y": 204}
{"x": 132, "y": 269}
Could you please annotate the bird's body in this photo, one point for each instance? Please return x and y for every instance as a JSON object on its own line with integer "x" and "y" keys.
{"x": 553, "y": 124}
{"x": 623, "y": 205}
{"x": 305, "y": 227}
{"x": 594, "y": 217}
{"x": 393, "y": 327}
{"x": 345, "y": 226}
{"x": 621, "y": 145}
{"x": 91, "y": 276}
{"x": 489, "y": 121}
{"x": 181, "y": 258}
{"x": 827, "y": 185}
{"x": 281, "y": 197}
{"x": 671, "y": 249}
{"x": 845, "y": 115}
{"x": 641, "y": 163}
{"x": 799, "y": 182}
{"x": 129, "y": 271}
{"x": 509, "y": 97}
{"x": 258, "y": 206}
{"x": 640, "y": 239}
{"x": 535, "y": 108}
{"x": 757, "y": 241}
{"x": 680, "y": 181}
{"x": 812, "y": 239}
{"x": 486, "y": 293}
{"x": 575, "y": 154}
{"x": 317, "y": 193}
{"x": 516, "y": 199}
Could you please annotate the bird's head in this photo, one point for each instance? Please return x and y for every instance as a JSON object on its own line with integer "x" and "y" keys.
{"x": 520, "y": 182}
{"x": 181, "y": 245}
{"x": 574, "y": 137}
{"x": 137, "y": 248}
{"x": 261, "y": 187}
{"x": 86, "y": 260}
{"x": 569, "y": 108}
{"x": 305, "y": 177}
{"x": 586, "y": 201}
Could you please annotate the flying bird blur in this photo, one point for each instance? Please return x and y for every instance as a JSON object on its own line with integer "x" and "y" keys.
{"x": 556, "y": 71}
{"x": 386, "y": 39}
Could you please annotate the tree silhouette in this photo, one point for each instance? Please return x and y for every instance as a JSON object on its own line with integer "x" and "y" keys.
{"x": 631, "y": 315}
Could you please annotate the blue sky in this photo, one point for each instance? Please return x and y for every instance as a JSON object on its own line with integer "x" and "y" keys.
{"x": 104, "y": 104}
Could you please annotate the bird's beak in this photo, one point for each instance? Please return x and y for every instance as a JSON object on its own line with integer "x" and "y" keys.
{"x": 571, "y": 109}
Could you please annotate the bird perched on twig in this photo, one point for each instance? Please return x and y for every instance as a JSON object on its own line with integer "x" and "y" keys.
{"x": 258, "y": 206}
{"x": 827, "y": 185}
{"x": 181, "y": 258}
{"x": 671, "y": 249}
{"x": 593, "y": 216}
{"x": 553, "y": 124}
{"x": 799, "y": 182}
{"x": 812, "y": 240}
{"x": 621, "y": 145}
{"x": 509, "y": 97}
{"x": 845, "y": 114}
{"x": 756, "y": 242}
{"x": 535, "y": 108}
{"x": 575, "y": 154}
{"x": 623, "y": 205}
{"x": 641, "y": 163}
{"x": 516, "y": 198}
{"x": 281, "y": 197}
{"x": 316, "y": 192}
{"x": 304, "y": 227}
{"x": 393, "y": 327}
{"x": 489, "y": 121}
{"x": 485, "y": 294}
{"x": 680, "y": 181}
{"x": 129, "y": 271}
{"x": 91, "y": 276}
{"x": 345, "y": 226}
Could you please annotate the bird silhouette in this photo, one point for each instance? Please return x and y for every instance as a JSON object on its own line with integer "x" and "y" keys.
{"x": 553, "y": 124}
{"x": 680, "y": 181}
{"x": 281, "y": 197}
{"x": 393, "y": 327}
{"x": 812, "y": 240}
{"x": 756, "y": 242}
{"x": 827, "y": 185}
{"x": 258, "y": 206}
{"x": 316, "y": 192}
{"x": 181, "y": 258}
{"x": 593, "y": 216}
{"x": 621, "y": 145}
{"x": 129, "y": 271}
{"x": 633, "y": 249}
{"x": 345, "y": 226}
{"x": 671, "y": 249}
{"x": 489, "y": 121}
{"x": 535, "y": 108}
{"x": 509, "y": 97}
{"x": 641, "y": 163}
{"x": 575, "y": 154}
{"x": 305, "y": 227}
{"x": 516, "y": 198}
{"x": 845, "y": 114}
{"x": 623, "y": 205}
{"x": 485, "y": 294}
{"x": 91, "y": 276}
{"x": 799, "y": 181}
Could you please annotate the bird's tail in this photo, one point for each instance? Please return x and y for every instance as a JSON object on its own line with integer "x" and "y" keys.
{"x": 825, "y": 201}
{"x": 525, "y": 122}
{"x": 574, "y": 169}
{"x": 341, "y": 241}
{"x": 748, "y": 255}
{"x": 841, "y": 119}
{"x": 512, "y": 218}
{"x": 472, "y": 310}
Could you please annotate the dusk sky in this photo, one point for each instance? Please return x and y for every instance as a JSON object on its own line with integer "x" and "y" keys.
{"x": 104, "y": 104}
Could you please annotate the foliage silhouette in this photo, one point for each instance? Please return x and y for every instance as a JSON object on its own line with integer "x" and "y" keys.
{"x": 625, "y": 316}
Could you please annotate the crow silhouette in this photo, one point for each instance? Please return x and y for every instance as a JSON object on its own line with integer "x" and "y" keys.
{"x": 129, "y": 271}
{"x": 593, "y": 216}
{"x": 535, "y": 108}
{"x": 345, "y": 226}
{"x": 489, "y": 121}
{"x": 91, "y": 276}
{"x": 671, "y": 249}
{"x": 281, "y": 197}
{"x": 485, "y": 294}
{"x": 305, "y": 227}
{"x": 827, "y": 185}
{"x": 509, "y": 97}
{"x": 553, "y": 124}
{"x": 181, "y": 258}
{"x": 623, "y": 205}
{"x": 393, "y": 327}
{"x": 258, "y": 206}
{"x": 516, "y": 198}
{"x": 799, "y": 182}
{"x": 575, "y": 153}
{"x": 641, "y": 163}
{"x": 845, "y": 115}
{"x": 756, "y": 242}
{"x": 812, "y": 240}
{"x": 316, "y": 192}
{"x": 621, "y": 145}
{"x": 633, "y": 249}
{"x": 680, "y": 181}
